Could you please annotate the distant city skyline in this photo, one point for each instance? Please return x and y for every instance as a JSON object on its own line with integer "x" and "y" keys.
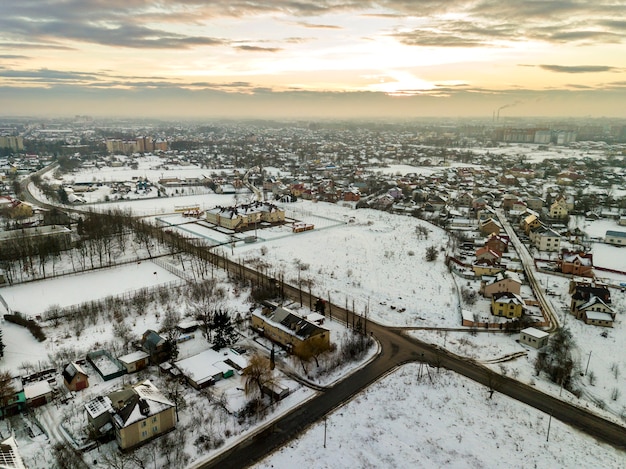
{"x": 313, "y": 59}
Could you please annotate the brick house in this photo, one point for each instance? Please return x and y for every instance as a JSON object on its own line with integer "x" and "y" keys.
{"x": 574, "y": 263}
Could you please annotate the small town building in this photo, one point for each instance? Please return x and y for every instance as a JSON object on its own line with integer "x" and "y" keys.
{"x": 74, "y": 377}
{"x": 500, "y": 282}
{"x": 136, "y": 414}
{"x": 617, "y": 238}
{"x": 38, "y": 393}
{"x": 576, "y": 263}
{"x": 508, "y": 305}
{"x": 532, "y": 337}
{"x": 135, "y": 361}
{"x": 293, "y": 332}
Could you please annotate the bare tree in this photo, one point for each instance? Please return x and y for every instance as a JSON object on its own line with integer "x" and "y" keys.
{"x": 7, "y": 390}
{"x": 257, "y": 375}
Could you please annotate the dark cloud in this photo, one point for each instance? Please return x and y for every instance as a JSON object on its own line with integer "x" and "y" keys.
{"x": 47, "y": 75}
{"x": 578, "y": 68}
{"x": 12, "y": 56}
{"x": 258, "y": 48}
{"x": 127, "y": 23}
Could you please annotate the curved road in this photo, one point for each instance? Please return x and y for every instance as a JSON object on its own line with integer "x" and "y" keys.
{"x": 397, "y": 349}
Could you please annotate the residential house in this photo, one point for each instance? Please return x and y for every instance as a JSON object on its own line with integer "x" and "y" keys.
{"x": 74, "y": 377}
{"x": 617, "y": 238}
{"x": 535, "y": 338}
{"x": 576, "y": 263}
{"x": 507, "y": 304}
{"x": 588, "y": 297}
{"x": 490, "y": 226}
{"x": 596, "y": 312}
{"x": 558, "y": 208}
{"x": 352, "y": 195}
{"x": 479, "y": 203}
{"x": 465, "y": 199}
{"x": 530, "y": 222}
{"x": 501, "y": 282}
{"x": 293, "y": 332}
{"x": 535, "y": 203}
{"x": 545, "y": 239}
{"x": 483, "y": 267}
{"x": 136, "y": 414}
{"x": 156, "y": 346}
{"x": 508, "y": 200}
{"x": 498, "y": 243}
{"x": 489, "y": 256}
{"x": 208, "y": 367}
{"x": 518, "y": 206}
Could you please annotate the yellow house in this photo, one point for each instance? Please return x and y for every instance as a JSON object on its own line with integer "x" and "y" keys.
{"x": 558, "y": 209}
{"x": 140, "y": 414}
{"x": 530, "y": 222}
{"x": 244, "y": 216}
{"x": 299, "y": 336}
{"x": 486, "y": 269}
{"x": 507, "y": 304}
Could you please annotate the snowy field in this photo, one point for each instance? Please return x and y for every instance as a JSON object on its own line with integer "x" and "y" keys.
{"x": 375, "y": 259}
{"x": 447, "y": 423}
{"x": 34, "y": 298}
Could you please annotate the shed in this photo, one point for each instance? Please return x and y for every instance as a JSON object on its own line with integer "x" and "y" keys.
{"x": 532, "y": 337}
{"x": 135, "y": 361}
{"x": 38, "y": 393}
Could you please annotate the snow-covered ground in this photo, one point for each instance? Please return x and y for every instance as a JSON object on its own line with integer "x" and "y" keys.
{"x": 404, "y": 421}
{"x": 33, "y": 298}
{"x": 375, "y": 260}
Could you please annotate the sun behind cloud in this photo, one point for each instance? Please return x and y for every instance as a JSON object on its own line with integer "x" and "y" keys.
{"x": 401, "y": 83}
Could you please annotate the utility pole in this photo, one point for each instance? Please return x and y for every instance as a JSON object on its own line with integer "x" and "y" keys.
{"x": 588, "y": 360}
{"x": 324, "y": 432}
{"x": 549, "y": 423}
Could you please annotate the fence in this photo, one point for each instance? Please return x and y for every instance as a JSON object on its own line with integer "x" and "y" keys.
{"x": 125, "y": 296}
{"x": 173, "y": 270}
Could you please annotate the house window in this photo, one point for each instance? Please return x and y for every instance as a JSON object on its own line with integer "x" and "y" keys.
{"x": 144, "y": 434}
{"x": 154, "y": 419}
{"x": 155, "y": 429}
{"x": 143, "y": 424}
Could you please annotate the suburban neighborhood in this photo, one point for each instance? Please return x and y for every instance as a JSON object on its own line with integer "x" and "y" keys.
{"x": 169, "y": 291}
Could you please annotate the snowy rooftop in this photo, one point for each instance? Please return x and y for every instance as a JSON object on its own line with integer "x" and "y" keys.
{"x": 40, "y": 388}
{"x": 133, "y": 357}
{"x": 536, "y": 333}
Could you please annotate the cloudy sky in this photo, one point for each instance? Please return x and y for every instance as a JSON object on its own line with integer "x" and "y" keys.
{"x": 313, "y": 58}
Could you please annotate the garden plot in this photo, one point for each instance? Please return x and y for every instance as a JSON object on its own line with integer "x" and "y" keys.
{"x": 34, "y": 298}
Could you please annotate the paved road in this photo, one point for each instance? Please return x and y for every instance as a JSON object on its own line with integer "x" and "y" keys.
{"x": 529, "y": 264}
